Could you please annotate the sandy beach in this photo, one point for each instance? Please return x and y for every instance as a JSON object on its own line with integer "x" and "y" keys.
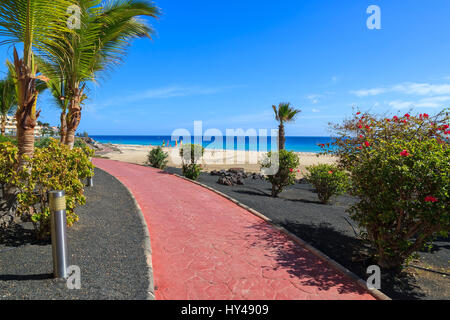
{"x": 212, "y": 159}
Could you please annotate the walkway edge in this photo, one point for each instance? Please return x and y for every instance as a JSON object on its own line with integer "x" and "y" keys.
{"x": 334, "y": 264}
{"x": 147, "y": 243}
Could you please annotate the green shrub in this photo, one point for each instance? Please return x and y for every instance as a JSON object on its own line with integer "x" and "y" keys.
{"x": 79, "y": 143}
{"x": 401, "y": 174}
{"x": 8, "y": 139}
{"x": 288, "y": 162}
{"x": 192, "y": 171}
{"x": 190, "y": 154}
{"x": 157, "y": 158}
{"x": 42, "y": 142}
{"x": 54, "y": 167}
{"x": 328, "y": 180}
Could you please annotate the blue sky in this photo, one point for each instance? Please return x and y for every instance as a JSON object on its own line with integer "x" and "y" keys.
{"x": 226, "y": 62}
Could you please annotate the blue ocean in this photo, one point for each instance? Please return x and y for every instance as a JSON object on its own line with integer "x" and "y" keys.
{"x": 297, "y": 144}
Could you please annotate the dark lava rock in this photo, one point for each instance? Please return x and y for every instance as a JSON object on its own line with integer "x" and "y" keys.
{"x": 225, "y": 181}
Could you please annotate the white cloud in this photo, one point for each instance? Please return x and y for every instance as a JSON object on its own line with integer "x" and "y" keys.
{"x": 315, "y": 110}
{"x": 433, "y": 102}
{"x": 422, "y": 89}
{"x": 399, "y": 104}
{"x": 409, "y": 88}
{"x": 369, "y": 92}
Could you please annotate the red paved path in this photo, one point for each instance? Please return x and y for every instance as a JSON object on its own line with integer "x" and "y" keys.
{"x": 206, "y": 247}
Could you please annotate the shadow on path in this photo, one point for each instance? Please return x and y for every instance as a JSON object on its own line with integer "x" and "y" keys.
{"x": 31, "y": 277}
{"x": 354, "y": 255}
{"x": 305, "y": 268}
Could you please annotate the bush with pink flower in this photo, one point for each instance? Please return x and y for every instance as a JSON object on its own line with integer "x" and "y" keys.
{"x": 400, "y": 171}
{"x": 329, "y": 181}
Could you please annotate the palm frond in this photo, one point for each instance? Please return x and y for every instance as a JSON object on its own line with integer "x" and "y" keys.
{"x": 8, "y": 97}
{"x": 102, "y": 41}
{"x": 38, "y": 24}
{"x": 285, "y": 113}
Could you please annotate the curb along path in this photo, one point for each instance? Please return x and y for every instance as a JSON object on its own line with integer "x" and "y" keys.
{"x": 206, "y": 247}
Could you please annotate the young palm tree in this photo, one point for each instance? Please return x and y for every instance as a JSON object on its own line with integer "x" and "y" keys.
{"x": 57, "y": 90}
{"x": 7, "y": 101}
{"x": 57, "y": 87}
{"x": 37, "y": 25}
{"x": 101, "y": 42}
{"x": 284, "y": 113}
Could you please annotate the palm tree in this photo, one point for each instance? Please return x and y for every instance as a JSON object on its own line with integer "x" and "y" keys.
{"x": 284, "y": 113}
{"x": 105, "y": 33}
{"x": 8, "y": 103}
{"x": 56, "y": 85}
{"x": 38, "y": 25}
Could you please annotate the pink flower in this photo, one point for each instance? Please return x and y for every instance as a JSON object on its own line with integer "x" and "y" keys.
{"x": 431, "y": 199}
{"x": 405, "y": 153}
{"x": 407, "y": 116}
{"x": 426, "y": 116}
{"x": 291, "y": 170}
{"x": 367, "y": 144}
{"x": 358, "y": 113}
{"x": 447, "y": 132}
{"x": 330, "y": 172}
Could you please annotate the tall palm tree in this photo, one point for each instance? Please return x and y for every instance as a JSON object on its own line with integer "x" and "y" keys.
{"x": 37, "y": 25}
{"x": 284, "y": 113}
{"x": 106, "y": 30}
{"x": 8, "y": 101}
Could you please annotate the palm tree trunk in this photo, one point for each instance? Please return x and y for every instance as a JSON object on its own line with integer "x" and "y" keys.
{"x": 26, "y": 115}
{"x": 70, "y": 138}
{"x": 3, "y": 126}
{"x": 281, "y": 137}
{"x": 73, "y": 119}
{"x": 63, "y": 128}
{"x": 25, "y": 142}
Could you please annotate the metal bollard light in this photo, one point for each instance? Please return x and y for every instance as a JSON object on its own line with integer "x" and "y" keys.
{"x": 90, "y": 182}
{"x": 60, "y": 253}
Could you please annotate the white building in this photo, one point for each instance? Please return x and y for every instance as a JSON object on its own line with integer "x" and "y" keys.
{"x": 11, "y": 127}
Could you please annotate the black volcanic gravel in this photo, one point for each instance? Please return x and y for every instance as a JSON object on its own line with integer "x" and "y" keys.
{"x": 107, "y": 243}
{"x": 330, "y": 229}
